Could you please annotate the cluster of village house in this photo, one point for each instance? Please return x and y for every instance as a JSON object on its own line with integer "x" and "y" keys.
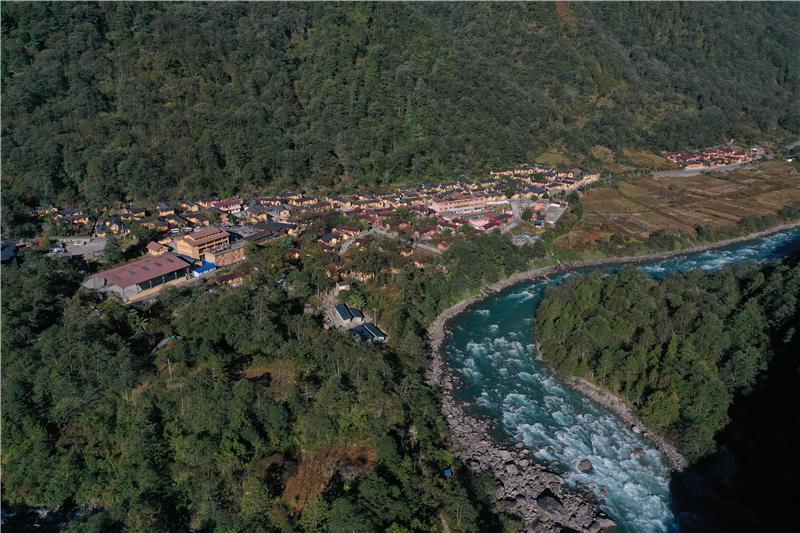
{"x": 717, "y": 156}
{"x": 346, "y": 317}
{"x": 197, "y": 237}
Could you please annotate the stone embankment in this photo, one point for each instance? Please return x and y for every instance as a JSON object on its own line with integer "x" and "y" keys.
{"x": 525, "y": 486}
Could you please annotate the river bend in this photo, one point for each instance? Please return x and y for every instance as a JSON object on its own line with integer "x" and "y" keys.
{"x": 491, "y": 351}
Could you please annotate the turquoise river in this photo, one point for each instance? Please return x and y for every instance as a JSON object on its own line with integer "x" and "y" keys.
{"x": 491, "y": 351}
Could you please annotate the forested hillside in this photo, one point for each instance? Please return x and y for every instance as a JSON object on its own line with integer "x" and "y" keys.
{"x": 680, "y": 349}
{"x": 248, "y": 416}
{"x": 118, "y": 100}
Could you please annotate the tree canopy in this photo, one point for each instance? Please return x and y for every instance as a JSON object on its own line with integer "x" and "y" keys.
{"x": 679, "y": 350}
{"x": 107, "y": 101}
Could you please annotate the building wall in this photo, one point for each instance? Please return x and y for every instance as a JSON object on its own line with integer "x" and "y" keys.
{"x": 198, "y": 252}
{"x": 227, "y": 257}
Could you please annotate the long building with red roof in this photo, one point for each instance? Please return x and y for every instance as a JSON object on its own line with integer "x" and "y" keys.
{"x": 146, "y": 275}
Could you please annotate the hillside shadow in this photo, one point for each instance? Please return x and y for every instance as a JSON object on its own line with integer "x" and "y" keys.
{"x": 749, "y": 484}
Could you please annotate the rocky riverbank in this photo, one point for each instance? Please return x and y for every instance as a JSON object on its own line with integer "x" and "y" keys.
{"x": 525, "y": 487}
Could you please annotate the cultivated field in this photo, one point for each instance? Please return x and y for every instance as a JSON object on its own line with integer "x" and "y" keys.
{"x": 681, "y": 204}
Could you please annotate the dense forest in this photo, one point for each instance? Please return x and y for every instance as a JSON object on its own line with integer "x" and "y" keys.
{"x": 110, "y": 101}
{"x": 234, "y": 409}
{"x": 680, "y": 349}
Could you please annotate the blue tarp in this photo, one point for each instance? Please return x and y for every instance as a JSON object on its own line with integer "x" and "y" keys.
{"x": 205, "y": 267}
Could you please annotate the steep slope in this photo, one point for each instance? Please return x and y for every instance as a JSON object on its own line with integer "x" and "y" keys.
{"x": 118, "y": 100}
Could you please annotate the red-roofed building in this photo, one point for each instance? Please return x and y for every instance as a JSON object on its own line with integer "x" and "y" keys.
{"x": 154, "y": 248}
{"x": 137, "y": 279}
{"x": 232, "y": 205}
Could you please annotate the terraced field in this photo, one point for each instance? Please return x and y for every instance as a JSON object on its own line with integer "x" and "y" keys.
{"x": 681, "y": 204}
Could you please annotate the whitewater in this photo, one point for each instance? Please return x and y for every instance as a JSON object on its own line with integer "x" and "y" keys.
{"x": 491, "y": 351}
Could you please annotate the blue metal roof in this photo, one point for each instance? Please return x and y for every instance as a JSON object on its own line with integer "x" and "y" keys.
{"x": 205, "y": 267}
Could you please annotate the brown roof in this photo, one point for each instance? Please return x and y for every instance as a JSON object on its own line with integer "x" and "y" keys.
{"x": 143, "y": 269}
{"x": 155, "y": 247}
{"x": 205, "y": 235}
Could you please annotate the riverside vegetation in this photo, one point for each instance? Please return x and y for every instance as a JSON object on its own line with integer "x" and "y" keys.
{"x": 679, "y": 349}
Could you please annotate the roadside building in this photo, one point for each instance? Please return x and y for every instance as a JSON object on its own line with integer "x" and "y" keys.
{"x": 140, "y": 278}
{"x": 196, "y": 244}
{"x": 204, "y": 268}
{"x": 154, "y": 248}
{"x": 229, "y": 255}
{"x": 234, "y": 279}
{"x": 329, "y": 239}
{"x": 190, "y": 206}
{"x": 232, "y": 205}
{"x": 165, "y": 209}
{"x": 198, "y": 219}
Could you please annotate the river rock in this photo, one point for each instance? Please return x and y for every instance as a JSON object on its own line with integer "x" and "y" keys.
{"x": 507, "y": 504}
{"x": 636, "y": 429}
{"x": 519, "y": 445}
{"x": 524, "y": 463}
{"x": 512, "y": 469}
{"x": 601, "y": 524}
{"x": 551, "y": 505}
{"x": 638, "y": 452}
{"x": 585, "y": 465}
{"x": 550, "y": 450}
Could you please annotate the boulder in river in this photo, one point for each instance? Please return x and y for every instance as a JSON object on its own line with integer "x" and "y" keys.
{"x": 638, "y": 452}
{"x": 585, "y": 465}
{"x": 636, "y": 429}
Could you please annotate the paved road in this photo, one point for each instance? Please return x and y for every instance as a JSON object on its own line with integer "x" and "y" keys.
{"x": 95, "y": 246}
{"x": 349, "y": 243}
{"x": 516, "y": 209}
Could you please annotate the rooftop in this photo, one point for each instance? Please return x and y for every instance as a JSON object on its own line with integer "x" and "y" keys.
{"x": 143, "y": 269}
{"x": 211, "y": 233}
